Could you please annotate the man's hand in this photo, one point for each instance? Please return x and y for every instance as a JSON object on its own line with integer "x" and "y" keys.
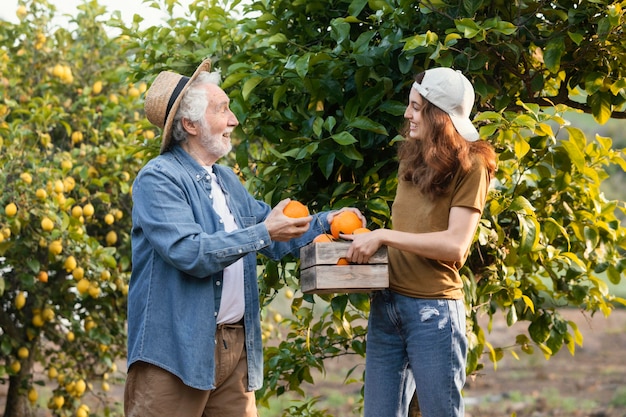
{"x": 282, "y": 228}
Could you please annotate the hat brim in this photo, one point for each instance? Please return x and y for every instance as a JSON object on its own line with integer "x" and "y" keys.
{"x": 166, "y": 139}
{"x": 465, "y": 127}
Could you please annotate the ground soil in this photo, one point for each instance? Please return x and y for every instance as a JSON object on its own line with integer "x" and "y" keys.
{"x": 592, "y": 383}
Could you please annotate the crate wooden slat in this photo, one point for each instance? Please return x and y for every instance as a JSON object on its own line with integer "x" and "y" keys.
{"x": 320, "y": 273}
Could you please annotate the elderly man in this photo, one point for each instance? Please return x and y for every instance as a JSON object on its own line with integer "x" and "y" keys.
{"x": 194, "y": 334}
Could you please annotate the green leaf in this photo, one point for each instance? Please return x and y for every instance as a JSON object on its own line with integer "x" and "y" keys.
{"x": 250, "y": 85}
{"x": 365, "y": 123}
{"x": 344, "y": 138}
{"x": 552, "y": 54}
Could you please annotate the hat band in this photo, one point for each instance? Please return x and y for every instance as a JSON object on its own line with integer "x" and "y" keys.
{"x": 179, "y": 87}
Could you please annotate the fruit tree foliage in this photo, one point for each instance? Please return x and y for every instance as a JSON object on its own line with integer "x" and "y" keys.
{"x": 320, "y": 88}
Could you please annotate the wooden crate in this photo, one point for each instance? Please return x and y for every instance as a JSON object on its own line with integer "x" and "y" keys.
{"x": 320, "y": 274}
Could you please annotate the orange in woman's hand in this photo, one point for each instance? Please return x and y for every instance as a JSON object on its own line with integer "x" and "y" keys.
{"x": 345, "y": 222}
{"x": 295, "y": 209}
{"x": 361, "y": 230}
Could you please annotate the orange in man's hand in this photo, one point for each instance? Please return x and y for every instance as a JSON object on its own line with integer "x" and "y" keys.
{"x": 295, "y": 209}
{"x": 324, "y": 237}
{"x": 345, "y": 222}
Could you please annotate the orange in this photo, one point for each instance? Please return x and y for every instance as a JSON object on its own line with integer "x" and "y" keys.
{"x": 343, "y": 261}
{"x": 324, "y": 237}
{"x": 361, "y": 230}
{"x": 345, "y": 222}
{"x": 295, "y": 209}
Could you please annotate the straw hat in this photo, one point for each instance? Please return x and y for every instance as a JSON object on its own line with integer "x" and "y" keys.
{"x": 163, "y": 99}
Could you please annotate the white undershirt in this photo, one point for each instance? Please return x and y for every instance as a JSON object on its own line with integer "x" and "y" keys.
{"x": 233, "y": 304}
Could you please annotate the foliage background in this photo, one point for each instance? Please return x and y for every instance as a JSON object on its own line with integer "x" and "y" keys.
{"x": 319, "y": 89}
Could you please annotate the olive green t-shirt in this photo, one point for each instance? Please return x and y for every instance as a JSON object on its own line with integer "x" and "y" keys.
{"x": 414, "y": 212}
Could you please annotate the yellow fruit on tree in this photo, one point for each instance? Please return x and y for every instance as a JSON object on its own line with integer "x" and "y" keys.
{"x": 32, "y": 395}
{"x": 6, "y": 233}
{"x": 94, "y": 290}
{"x": 47, "y": 225}
{"x": 70, "y": 263}
{"x": 55, "y": 247}
{"x": 37, "y": 320}
{"x": 111, "y": 238}
{"x": 79, "y": 388}
{"x": 70, "y": 336}
{"x": 58, "y": 186}
{"x": 26, "y": 177}
{"x": 52, "y": 372}
{"x": 88, "y": 210}
{"x": 81, "y": 412}
{"x": 77, "y": 137}
{"x": 77, "y": 211}
{"x": 15, "y": 367}
{"x": 47, "y": 314}
{"x": 22, "y": 352}
{"x": 78, "y": 273}
{"x": 20, "y": 300}
{"x": 41, "y": 194}
{"x": 133, "y": 92}
{"x": 97, "y": 87}
{"x": 21, "y": 12}
{"x": 66, "y": 165}
{"x": 105, "y": 275}
{"x": 58, "y": 402}
{"x": 10, "y": 209}
{"x": 105, "y": 386}
{"x": 109, "y": 218}
{"x": 82, "y": 286}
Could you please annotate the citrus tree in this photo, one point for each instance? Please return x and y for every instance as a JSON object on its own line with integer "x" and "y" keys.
{"x": 320, "y": 89}
{"x": 68, "y": 125}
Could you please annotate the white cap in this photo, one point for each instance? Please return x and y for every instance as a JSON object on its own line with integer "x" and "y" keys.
{"x": 449, "y": 90}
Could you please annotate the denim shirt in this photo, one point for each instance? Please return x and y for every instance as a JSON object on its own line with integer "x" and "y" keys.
{"x": 179, "y": 250}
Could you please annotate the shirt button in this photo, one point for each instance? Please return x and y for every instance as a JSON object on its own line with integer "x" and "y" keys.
{"x": 197, "y": 177}
{"x": 262, "y": 242}
{"x": 240, "y": 250}
{"x": 218, "y": 283}
{"x": 215, "y": 314}
{"x": 221, "y": 221}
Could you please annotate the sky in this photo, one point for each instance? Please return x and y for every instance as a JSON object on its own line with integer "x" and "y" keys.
{"x": 127, "y": 8}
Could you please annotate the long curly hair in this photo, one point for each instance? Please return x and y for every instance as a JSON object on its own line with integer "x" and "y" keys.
{"x": 432, "y": 161}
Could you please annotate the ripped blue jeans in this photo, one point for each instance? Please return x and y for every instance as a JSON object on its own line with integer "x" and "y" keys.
{"x": 415, "y": 344}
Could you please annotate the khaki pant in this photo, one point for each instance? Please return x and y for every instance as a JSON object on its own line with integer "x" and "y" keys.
{"x": 153, "y": 392}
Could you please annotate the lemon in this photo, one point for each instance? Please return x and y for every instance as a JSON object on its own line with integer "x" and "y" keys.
{"x": 70, "y": 263}
{"x": 10, "y": 209}
{"x": 53, "y": 373}
{"x": 46, "y": 224}
{"x": 79, "y": 387}
{"x": 32, "y": 395}
{"x": 105, "y": 386}
{"x": 111, "y": 238}
{"x": 77, "y": 211}
{"x": 105, "y": 275}
{"x": 78, "y": 273}
{"x": 37, "y": 320}
{"x": 66, "y": 164}
{"x": 133, "y": 92}
{"x": 21, "y": 12}
{"x": 15, "y": 367}
{"x": 41, "y": 194}
{"x": 82, "y": 286}
{"x": 47, "y": 314}
{"x": 58, "y": 402}
{"x": 97, "y": 87}
{"x": 26, "y": 177}
{"x": 88, "y": 210}
{"x": 77, "y": 137}
{"x": 22, "y": 352}
{"x": 109, "y": 219}
{"x": 20, "y": 300}
{"x": 58, "y": 186}
{"x": 70, "y": 336}
{"x": 55, "y": 247}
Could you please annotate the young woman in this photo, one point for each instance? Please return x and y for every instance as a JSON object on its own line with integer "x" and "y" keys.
{"x": 416, "y": 338}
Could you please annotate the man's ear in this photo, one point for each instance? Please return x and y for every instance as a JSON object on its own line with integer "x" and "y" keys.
{"x": 189, "y": 126}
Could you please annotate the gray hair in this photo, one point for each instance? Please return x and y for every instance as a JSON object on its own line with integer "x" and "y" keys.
{"x": 194, "y": 103}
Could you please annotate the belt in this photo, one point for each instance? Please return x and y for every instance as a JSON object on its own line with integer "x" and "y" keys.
{"x": 236, "y": 325}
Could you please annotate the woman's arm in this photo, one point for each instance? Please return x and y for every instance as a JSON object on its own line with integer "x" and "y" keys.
{"x": 446, "y": 245}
